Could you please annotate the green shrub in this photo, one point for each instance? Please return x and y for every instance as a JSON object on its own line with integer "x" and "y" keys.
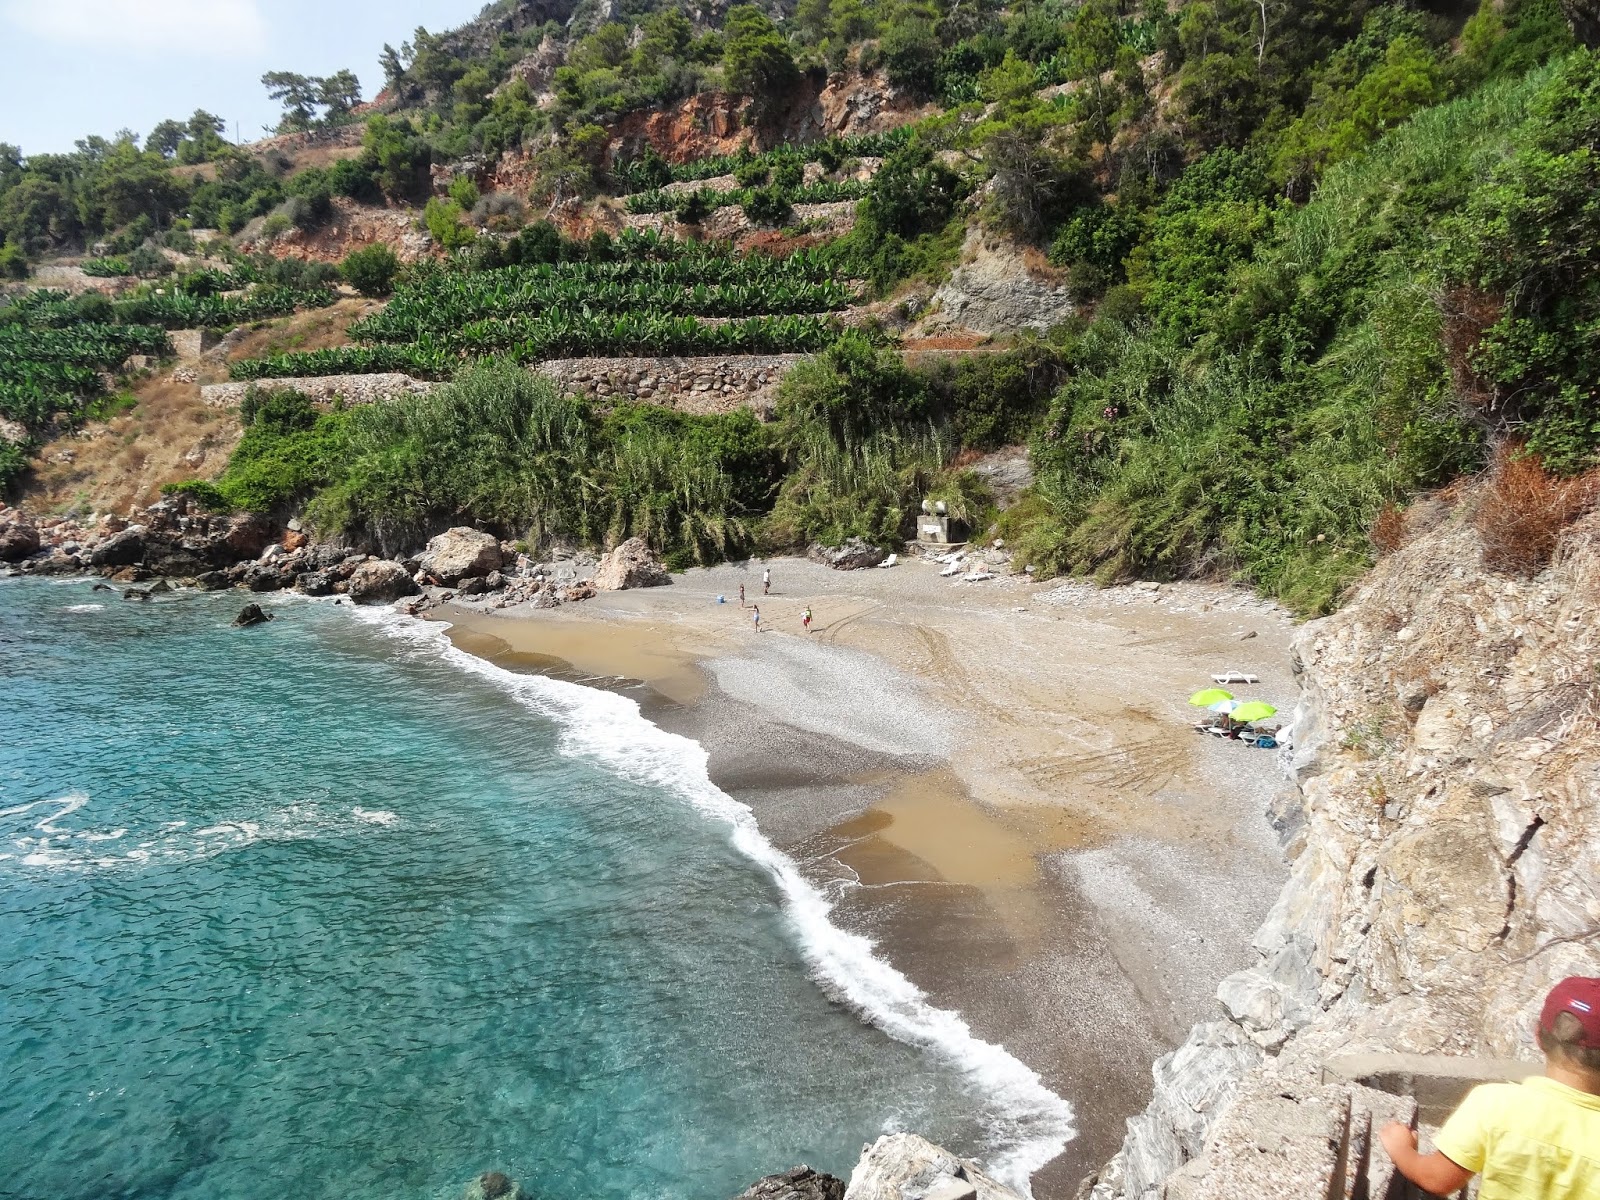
{"x": 767, "y": 206}
{"x": 694, "y": 207}
{"x": 371, "y": 269}
{"x": 205, "y": 494}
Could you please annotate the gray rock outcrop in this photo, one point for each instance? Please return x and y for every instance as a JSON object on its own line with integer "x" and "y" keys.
{"x": 380, "y": 582}
{"x": 1446, "y": 863}
{"x": 903, "y": 1166}
{"x": 797, "y": 1183}
{"x": 631, "y": 565}
{"x": 996, "y": 290}
{"x": 853, "y": 555}
{"x": 461, "y": 552}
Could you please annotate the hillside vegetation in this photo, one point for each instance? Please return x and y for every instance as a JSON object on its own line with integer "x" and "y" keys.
{"x": 1327, "y": 256}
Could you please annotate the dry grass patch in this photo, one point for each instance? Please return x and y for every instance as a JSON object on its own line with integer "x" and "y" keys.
{"x": 1524, "y": 509}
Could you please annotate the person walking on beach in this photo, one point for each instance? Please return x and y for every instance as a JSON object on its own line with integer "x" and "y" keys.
{"x": 741, "y": 595}
{"x": 1534, "y": 1140}
{"x": 766, "y": 581}
{"x": 757, "y": 618}
{"x": 805, "y": 619}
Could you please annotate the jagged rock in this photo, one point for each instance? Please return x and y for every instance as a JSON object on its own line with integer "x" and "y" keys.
{"x": 460, "y": 553}
{"x": 380, "y": 582}
{"x": 494, "y": 581}
{"x": 631, "y": 565}
{"x": 903, "y": 1166}
{"x": 797, "y": 1183}
{"x": 316, "y": 583}
{"x": 211, "y": 581}
{"x": 853, "y": 555}
{"x": 578, "y": 591}
{"x": 18, "y": 541}
{"x": 120, "y": 549}
{"x": 251, "y": 614}
{"x": 133, "y": 574}
{"x": 135, "y": 594}
{"x": 472, "y": 585}
{"x": 264, "y": 577}
{"x": 546, "y": 598}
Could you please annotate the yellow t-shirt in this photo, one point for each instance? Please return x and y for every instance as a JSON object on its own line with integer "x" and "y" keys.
{"x": 1534, "y": 1140}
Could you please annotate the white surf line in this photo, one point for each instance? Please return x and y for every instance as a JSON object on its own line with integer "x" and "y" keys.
{"x": 1034, "y": 1123}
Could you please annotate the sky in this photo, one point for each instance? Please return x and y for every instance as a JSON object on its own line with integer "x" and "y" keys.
{"x": 75, "y": 67}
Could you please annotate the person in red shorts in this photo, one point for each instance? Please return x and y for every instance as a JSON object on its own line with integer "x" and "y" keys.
{"x": 1534, "y": 1140}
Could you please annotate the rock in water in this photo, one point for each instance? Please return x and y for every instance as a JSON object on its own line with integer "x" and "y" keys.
{"x": 900, "y": 1166}
{"x": 853, "y": 555}
{"x": 797, "y": 1183}
{"x": 631, "y": 565}
{"x": 249, "y": 615}
{"x": 461, "y": 552}
{"x": 380, "y": 582}
{"x": 17, "y": 542}
{"x": 493, "y": 1185}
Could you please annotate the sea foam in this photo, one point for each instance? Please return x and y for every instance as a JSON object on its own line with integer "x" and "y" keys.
{"x": 1033, "y": 1123}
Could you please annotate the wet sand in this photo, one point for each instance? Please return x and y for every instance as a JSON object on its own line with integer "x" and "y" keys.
{"x": 997, "y": 781}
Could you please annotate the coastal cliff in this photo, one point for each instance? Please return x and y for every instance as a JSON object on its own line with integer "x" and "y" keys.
{"x": 1444, "y": 833}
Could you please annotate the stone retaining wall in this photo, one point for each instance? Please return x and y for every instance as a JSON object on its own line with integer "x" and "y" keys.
{"x": 691, "y": 385}
{"x": 353, "y": 389}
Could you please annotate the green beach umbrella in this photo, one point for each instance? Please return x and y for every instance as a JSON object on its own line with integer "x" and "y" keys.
{"x": 1209, "y": 697}
{"x": 1253, "y": 710}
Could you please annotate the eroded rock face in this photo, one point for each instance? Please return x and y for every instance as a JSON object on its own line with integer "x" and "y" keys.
{"x": 1446, "y": 855}
{"x": 853, "y": 555}
{"x": 903, "y": 1166}
{"x": 461, "y": 553}
{"x": 997, "y": 290}
{"x": 380, "y": 582}
{"x": 797, "y": 1183}
{"x": 631, "y": 565}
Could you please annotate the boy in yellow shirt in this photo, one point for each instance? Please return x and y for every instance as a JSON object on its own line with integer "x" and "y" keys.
{"x": 1534, "y": 1140}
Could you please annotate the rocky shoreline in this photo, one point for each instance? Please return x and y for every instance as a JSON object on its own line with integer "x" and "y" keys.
{"x": 173, "y": 540}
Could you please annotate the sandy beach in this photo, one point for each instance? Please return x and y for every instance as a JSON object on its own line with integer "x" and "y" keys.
{"x": 997, "y": 780}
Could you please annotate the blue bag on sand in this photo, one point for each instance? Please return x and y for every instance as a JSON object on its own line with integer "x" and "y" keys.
{"x": 722, "y": 599}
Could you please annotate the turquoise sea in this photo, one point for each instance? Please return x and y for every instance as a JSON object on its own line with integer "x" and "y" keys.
{"x": 327, "y": 908}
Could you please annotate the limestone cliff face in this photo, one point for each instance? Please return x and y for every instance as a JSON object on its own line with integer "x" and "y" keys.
{"x": 1445, "y": 845}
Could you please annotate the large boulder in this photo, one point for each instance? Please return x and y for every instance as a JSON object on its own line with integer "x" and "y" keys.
{"x": 380, "y": 582}
{"x": 18, "y": 541}
{"x": 853, "y": 555}
{"x": 797, "y": 1183}
{"x": 903, "y": 1166}
{"x": 461, "y": 553}
{"x": 120, "y": 549}
{"x": 316, "y": 583}
{"x": 631, "y": 565}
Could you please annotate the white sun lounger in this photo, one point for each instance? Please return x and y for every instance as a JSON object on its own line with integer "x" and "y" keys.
{"x": 892, "y": 560}
{"x": 1236, "y": 677}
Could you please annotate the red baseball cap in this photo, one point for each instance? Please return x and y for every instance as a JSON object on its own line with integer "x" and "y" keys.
{"x": 1580, "y": 997}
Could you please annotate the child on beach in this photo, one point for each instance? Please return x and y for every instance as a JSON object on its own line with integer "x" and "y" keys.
{"x": 766, "y": 580}
{"x": 757, "y": 609}
{"x": 805, "y": 619}
{"x": 741, "y": 595}
{"x": 1536, "y": 1139}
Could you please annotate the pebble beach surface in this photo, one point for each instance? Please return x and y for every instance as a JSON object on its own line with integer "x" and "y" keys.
{"x": 997, "y": 782}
